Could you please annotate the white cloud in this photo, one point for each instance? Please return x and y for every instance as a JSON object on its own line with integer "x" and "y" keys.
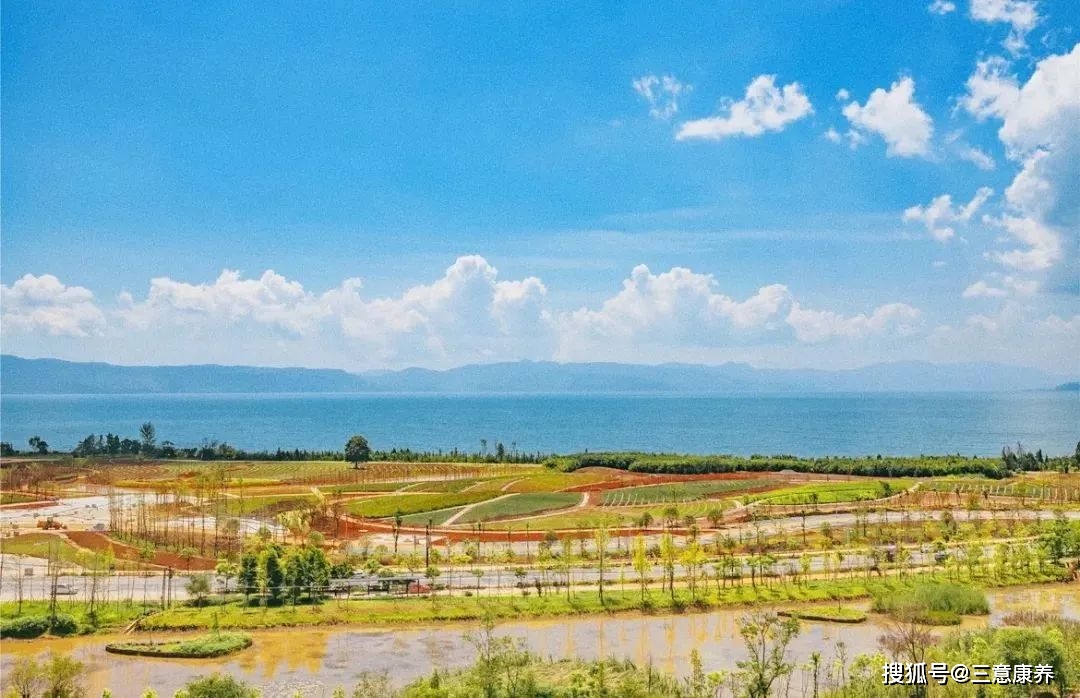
{"x": 1041, "y": 130}
{"x": 662, "y": 94}
{"x": 820, "y": 325}
{"x": 940, "y": 213}
{"x": 977, "y": 157}
{"x": 896, "y": 117}
{"x": 991, "y": 90}
{"x": 765, "y": 107}
{"x": 44, "y": 304}
{"x": 941, "y": 7}
{"x": 1021, "y": 15}
{"x": 980, "y": 289}
{"x": 1043, "y": 244}
{"x": 684, "y": 308}
{"x": 842, "y": 95}
{"x": 833, "y": 136}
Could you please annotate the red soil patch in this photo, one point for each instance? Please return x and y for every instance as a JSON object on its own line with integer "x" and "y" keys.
{"x": 98, "y": 542}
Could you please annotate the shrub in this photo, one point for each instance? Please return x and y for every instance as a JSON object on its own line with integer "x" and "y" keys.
{"x": 217, "y": 686}
{"x": 63, "y": 624}
{"x": 24, "y": 627}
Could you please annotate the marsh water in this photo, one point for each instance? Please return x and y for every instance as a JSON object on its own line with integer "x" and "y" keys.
{"x": 316, "y": 660}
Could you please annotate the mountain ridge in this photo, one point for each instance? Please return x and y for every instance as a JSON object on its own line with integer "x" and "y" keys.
{"x": 21, "y": 376}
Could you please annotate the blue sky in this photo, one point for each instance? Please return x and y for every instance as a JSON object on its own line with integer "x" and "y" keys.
{"x": 497, "y": 177}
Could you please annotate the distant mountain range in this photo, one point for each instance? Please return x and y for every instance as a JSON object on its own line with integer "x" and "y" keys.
{"x": 20, "y": 376}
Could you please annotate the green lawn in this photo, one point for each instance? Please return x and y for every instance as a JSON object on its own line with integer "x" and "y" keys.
{"x": 38, "y": 545}
{"x": 520, "y": 505}
{"x": 554, "y": 481}
{"x": 382, "y": 507}
{"x": 678, "y": 491}
{"x": 437, "y": 517}
{"x": 17, "y": 498}
{"x": 832, "y": 492}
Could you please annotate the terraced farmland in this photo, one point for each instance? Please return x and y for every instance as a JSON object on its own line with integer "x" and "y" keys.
{"x": 520, "y": 505}
{"x": 679, "y": 491}
{"x": 833, "y": 492}
{"x": 383, "y": 507}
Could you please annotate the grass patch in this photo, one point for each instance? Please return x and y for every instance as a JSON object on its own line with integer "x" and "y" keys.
{"x": 214, "y": 645}
{"x": 933, "y": 603}
{"x": 17, "y": 498}
{"x": 106, "y": 617}
{"x": 520, "y": 505}
{"x": 383, "y": 507}
{"x": 437, "y": 517}
{"x": 39, "y": 545}
{"x": 838, "y": 614}
{"x": 364, "y": 487}
{"x": 267, "y": 505}
{"x": 833, "y": 492}
{"x": 675, "y": 492}
{"x": 397, "y": 611}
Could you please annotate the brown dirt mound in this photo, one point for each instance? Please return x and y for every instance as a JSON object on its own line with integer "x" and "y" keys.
{"x": 122, "y": 551}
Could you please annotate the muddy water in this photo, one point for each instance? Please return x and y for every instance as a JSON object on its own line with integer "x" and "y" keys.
{"x": 314, "y": 661}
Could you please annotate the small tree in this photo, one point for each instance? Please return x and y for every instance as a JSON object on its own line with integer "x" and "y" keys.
{"x": 198, "y": 586}
{"x": 766, "y": 637}
{"x": 63, "y": 677}
{"x": 357, "y": 450}
{"x": 26, "y": 677}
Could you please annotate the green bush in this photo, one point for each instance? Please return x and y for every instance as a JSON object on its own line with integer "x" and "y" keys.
{"x": 217, "y": 686}
{"x": 63, "y": 624}
{"x": 24, "y": 627}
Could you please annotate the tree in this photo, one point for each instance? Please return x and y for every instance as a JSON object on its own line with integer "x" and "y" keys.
{"x": 198, "y": 585}
{"x": 63, "y": 677}
{"x": 273, "y": 577}
{"x": 766, "y": 637}
{"x": 357, "y": 450}
{"x": 602, "y": 536}
{"x": 26, "y": 677}
{"x": 39, "y": 445}
{"x": 248, "y": 578}
{"x": 149, "y": 437}
{"x": 641, "y": 563}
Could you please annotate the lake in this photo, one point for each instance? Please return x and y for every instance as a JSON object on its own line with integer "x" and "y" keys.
{"x": 805, "y": 425}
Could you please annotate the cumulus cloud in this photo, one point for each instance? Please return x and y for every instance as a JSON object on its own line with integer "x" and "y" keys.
{"x": 1041, "y": 130}
{"x": 992, "y": 90}
{"x": 44, "y": 304}
{"x": 661, "y": 93}
{"x": 1021, "y": 15}
{"x": 941, "y": 7}
{"x": 939, "y": 215}
{"x": 821, "y": 325}
{"x": 686, "y": 308}
{"x": 765, "y": 107}
{"x": 894, "y": 115}
{"x": 993, "y": 335}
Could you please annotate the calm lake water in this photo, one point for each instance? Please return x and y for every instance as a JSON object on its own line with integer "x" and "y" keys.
{"x": 808, "y": 425}
{"x": 313, "y": 661}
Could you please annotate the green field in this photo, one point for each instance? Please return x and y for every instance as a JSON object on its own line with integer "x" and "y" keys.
{"x": 360, "y": 487}
{"x": 678, "y": 491}
{"x": 39, "y": 545}
{"x": 267, "y": 505}
{"x": 520, "y": 505}
{"x": 383, "y": 507}
{"x": 832, "y": 492}
{"x": 554, "y": 481}
{"x": 17, "y": 498}
{"x": 437, "y": 517}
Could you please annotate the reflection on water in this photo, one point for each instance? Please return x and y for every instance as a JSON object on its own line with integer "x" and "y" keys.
{"x": 314, "y": 661}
